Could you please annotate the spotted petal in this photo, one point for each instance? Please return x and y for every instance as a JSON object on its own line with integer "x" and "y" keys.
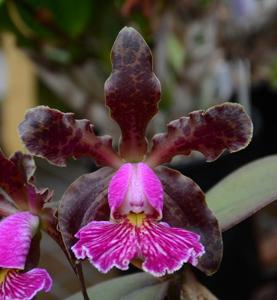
{"x": 16, "y": 180}
{"x": 25, "y": 286}
{"x": 16, "y": 232}
{"x": 222, "y": 127}
{"x": 83, "y": 196}
{"x": 166, "y": 249}
{"x": 107, "y": 244}
{"x": 12, "y": 180}
{"x": 57, "y": 136}
{"x": 132, "y": 92}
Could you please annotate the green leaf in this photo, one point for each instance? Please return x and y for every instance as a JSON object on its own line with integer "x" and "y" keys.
{"x": 244, "y": 192}
{"x": 1, "y": 2}
{"x": 137, "y": 286}
{"x": 153, "y": 292}
{"x": 72, "y": 16}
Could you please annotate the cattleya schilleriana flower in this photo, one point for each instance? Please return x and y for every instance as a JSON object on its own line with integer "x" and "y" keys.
{"x": 22, "y": 215}
{"x": 132, "y": 210}
{"x": 135, "y": 196}
{"x": 16, "y": 232}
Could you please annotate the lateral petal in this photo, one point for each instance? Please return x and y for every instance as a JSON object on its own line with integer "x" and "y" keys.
{"x": 222, "y": 127}
{"x": 57, "y": 136}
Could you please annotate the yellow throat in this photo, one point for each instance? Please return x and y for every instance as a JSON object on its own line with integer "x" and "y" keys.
{"x": 3, "y": 274}
{"x": 136, "y": 219}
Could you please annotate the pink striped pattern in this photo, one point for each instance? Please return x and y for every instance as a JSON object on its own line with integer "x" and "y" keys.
{"x": 24, "y": 286}
{"x": 16, "y": 232}
{"x": 162, "y": 248}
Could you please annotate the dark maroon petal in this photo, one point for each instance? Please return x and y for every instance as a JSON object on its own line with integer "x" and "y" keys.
{"x": 85, "y": 192}
{"x": 56, "y": 136}
{"x": 185, "y": 207}
{"x": 222, "y": 127}
{"x": 132, "y": 91}
{"x": 12, "y": 181}
{"x": 99, "y": 210}
{"x": 16, "y": 180}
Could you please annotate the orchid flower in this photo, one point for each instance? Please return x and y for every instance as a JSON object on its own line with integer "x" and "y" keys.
{"x": 135, "y": 196}
{"x": 16, "y": 232}
{"x": 132, "y": 209}
{"x": 23, "y": 215}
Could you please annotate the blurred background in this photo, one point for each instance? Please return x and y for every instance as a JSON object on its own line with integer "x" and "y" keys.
{"x": 57, "y": 53}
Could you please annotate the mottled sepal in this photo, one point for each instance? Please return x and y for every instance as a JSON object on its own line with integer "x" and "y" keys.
{"x": 185, "y": 207}
{"x": 57, "y": 136}
{"x": 222, "y": 127}
{"x": 17, "y": 185}
{"x": 85, "y": 195}
{"x": 25, "y": 286}
{"x": 16, "y": 232}
{"x": 13, "y": 179}
{"x": 132, "y": 92}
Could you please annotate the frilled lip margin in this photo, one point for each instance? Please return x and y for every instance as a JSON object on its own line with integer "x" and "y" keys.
{"x": 135, "y": 197}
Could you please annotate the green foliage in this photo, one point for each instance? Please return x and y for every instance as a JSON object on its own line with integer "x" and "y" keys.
{"x": 139, "y": 286}
{"x": 48, "y": 17}
{"x": 72, "y": 16}
{"x": 244, "y": 192}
